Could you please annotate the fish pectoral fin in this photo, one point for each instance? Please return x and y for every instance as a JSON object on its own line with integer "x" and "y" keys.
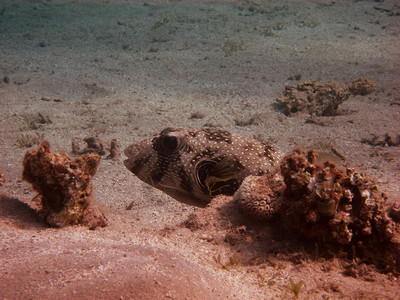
{"x": 211, "y": 182}
{"x": 214, "y": 176}
{"x": 222, "y": 172}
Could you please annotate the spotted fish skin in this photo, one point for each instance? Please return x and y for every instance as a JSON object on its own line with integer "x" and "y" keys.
{"x": 193, "y": 165}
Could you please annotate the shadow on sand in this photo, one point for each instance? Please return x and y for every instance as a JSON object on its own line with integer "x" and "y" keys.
{"x": 19, "y": 214}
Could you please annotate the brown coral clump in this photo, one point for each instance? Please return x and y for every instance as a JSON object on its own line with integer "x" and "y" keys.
{"x": 344, "y": 208}
{"x": 322, "y": 99}
{"x": 313, "y": 194}
{"x": 64, "y": 187}
{"x": 346, "y": 203}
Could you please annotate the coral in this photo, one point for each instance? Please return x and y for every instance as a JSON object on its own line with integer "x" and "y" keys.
{"x": 322, "y": 99}
{"x": 34, "y": 122}
{"x": 64, "y": 187}
{"x": 94, "y": 145}
{"x": 321, "y": 202}
{"x": 259, "y": 196}
{"x": 324, "y": 200}
{"x": 339, "y": 207}
{"x": 385, "y": 141}
{"x": 295, "y": 287}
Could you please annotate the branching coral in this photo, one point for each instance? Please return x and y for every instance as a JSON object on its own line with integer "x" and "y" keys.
{"x": 64, "y": 186}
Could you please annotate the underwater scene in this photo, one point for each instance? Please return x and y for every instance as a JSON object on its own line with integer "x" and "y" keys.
{"x": 199, "y": 149}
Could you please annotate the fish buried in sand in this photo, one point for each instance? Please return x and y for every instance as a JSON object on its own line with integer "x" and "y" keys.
{"x": 193, "y": 165}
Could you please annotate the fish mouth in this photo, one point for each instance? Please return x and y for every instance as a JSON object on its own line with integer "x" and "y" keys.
{"x": 129, "y": 162}
{"x": 126, "y": 163}
{"x": 127, "y": 151}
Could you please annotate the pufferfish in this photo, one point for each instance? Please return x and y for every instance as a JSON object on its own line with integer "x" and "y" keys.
{"x": 194, "y": 165}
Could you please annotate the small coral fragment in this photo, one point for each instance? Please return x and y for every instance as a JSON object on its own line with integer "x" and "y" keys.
{"x": 64, "y": 187}
{"x": 114, "y": 148}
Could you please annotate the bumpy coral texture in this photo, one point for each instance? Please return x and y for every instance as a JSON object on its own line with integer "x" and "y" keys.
{"x": 322, "y": 99}
{"x": 260, "y": 196}
{"x": 64, "y": 187}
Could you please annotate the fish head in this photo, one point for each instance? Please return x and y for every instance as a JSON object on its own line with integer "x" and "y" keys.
{"x": 162, "y": 162}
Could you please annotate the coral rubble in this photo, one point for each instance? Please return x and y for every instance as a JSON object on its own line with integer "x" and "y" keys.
{"x": 338, "y": 207}
{"x": 64, "y": 187}
{"x": 362, "y": 86}
{"x": 322, "y": 99}
{"x": 94, "y": 145}
{"x": 385, "y": 141}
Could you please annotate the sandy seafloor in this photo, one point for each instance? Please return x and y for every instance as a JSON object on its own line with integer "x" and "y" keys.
{"x": 125, "y": 70}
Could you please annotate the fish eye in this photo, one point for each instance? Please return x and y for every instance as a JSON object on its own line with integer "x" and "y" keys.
{"x": 169, "y": 143}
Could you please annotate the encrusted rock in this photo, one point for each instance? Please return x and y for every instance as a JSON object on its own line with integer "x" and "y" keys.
{"x": 64, "y": 188}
